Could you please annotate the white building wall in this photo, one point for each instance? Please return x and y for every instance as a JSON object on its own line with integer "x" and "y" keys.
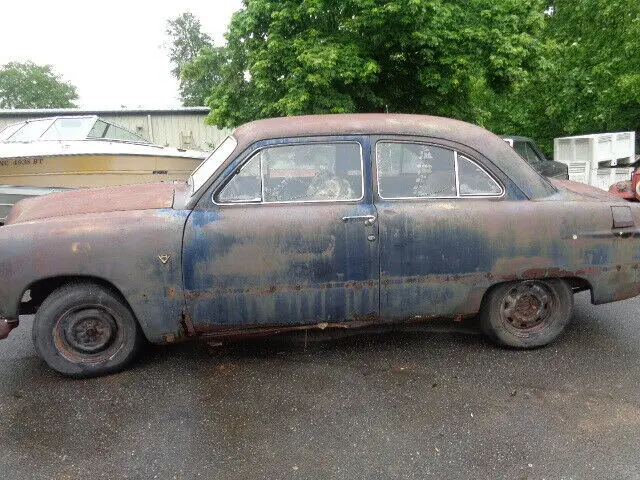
{"x": 181, "y": 128}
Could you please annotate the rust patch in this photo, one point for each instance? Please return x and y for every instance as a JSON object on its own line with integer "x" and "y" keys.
{"x": 368, "y": 318}
{"x": 273, "y": 289}
{"x": 6, "y": 325}
{"x": 546, "y": 273}
{"x": 187, "y": 325}
{"x": 222, "y": 332}
{"x": 95, "y": 200}
{"x": 589, "y": 271}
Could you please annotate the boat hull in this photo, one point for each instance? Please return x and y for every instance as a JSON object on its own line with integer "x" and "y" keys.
{"x": 79, "y": 171}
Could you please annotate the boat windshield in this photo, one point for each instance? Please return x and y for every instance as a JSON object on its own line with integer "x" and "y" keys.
{"x": 27, "y": 131}
{"x": 209, "y": 166}
{"x": 9, "y": 130}
{"x": 67, "y": 128}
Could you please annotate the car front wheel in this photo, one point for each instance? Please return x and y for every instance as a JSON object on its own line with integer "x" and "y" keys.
{"x": 527, "y": 314}
{"x": 85, "y": 330}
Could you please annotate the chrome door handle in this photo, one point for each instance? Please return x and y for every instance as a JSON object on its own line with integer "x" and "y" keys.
{"x": 368, "y": 219}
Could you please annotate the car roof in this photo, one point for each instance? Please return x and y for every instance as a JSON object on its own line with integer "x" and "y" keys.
{"x": 486, "y": 143}
{"x": 356, "y": 124}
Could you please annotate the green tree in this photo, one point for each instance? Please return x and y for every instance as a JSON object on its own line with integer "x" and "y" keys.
{"x": 187, "y": 42}
{"x": 27, "y": 85}
{"x": 589, "y": 77}
{"x": 291, "y": 57}
{"x": 597, "y": 75}
{"x": 199, "y": 76}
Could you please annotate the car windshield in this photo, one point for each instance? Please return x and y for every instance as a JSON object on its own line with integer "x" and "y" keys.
{"x": 207, "y": 168}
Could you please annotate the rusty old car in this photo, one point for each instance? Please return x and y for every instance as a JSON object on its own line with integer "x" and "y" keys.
{"x": 318, "y": 222}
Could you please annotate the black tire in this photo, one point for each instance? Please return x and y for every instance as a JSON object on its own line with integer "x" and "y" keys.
{"x": 528, "y": 313}
{"x": 85, "y": 330}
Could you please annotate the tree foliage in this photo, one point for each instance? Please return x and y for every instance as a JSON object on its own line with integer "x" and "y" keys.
{"x": 199, "y": 76}
{"x": 541, "y": 68}
{"x": 27, "y": 85}
{"x": 187, "y": 42}
{"x": 589, "y": 79}
{"x": 598, "y": 69}
{"x": 291, "y": 57}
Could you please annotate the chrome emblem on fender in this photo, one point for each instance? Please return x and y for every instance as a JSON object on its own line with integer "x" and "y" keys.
{"x": 164, "y": 258}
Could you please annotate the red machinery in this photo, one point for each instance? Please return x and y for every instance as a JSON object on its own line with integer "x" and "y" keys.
{"x": 628, "y": 189}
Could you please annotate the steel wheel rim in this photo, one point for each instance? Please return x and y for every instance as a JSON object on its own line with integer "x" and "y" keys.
{"x": 87, "y": 333}
{"x": 527, "y": 307}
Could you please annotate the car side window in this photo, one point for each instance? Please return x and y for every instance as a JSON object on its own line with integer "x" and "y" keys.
{"x": 313, "y": 172}
{"x": 412, "y": 170}
{"x": 474, "y": 180}
{"x": 245, "y": 186}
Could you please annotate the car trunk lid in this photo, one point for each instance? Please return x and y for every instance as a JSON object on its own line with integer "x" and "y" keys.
{"x": 579, "y": 191}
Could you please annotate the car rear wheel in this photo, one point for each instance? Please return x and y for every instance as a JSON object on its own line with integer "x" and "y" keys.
{"x": 85, "y": 330}
{"x": 527, "y": 314}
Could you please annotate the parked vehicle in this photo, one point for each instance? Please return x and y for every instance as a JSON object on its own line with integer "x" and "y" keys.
{"x": 336, "y": 221}
{"x": 44, "y": 155}
{"x": 528, "y": 150}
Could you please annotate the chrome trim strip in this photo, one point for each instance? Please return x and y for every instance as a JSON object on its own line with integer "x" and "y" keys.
{"x": 455, "y": 166}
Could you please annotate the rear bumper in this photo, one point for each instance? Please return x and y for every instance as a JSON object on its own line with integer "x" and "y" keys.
{"x": 6, "y": 325}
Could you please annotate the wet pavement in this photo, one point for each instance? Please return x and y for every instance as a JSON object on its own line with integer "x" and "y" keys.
{"x": 401, "y": 405}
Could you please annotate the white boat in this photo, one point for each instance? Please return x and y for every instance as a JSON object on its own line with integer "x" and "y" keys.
{"x": 42, "y": 155}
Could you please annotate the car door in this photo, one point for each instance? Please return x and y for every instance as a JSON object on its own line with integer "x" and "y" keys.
{"x": 289, "y": 238}
{"x": 434, "y": 208}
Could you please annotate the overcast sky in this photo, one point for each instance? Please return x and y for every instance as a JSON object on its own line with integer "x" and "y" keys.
{"x": 111, "y": 51}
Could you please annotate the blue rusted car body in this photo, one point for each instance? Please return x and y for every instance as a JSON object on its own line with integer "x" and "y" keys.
{"x": 189, "y": 265}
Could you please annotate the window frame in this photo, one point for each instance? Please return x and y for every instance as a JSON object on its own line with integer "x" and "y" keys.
{"x": 483, "y": 170}
{"x": 258, "y": 150}
{"x": 456, "y": 152}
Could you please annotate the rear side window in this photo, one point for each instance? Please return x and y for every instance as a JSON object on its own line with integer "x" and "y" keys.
{"x": 474, "y": 180}
{"x": 317, "y": 172}
{"x": 411, "y": 170}
{"x": 414, "y": 170}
